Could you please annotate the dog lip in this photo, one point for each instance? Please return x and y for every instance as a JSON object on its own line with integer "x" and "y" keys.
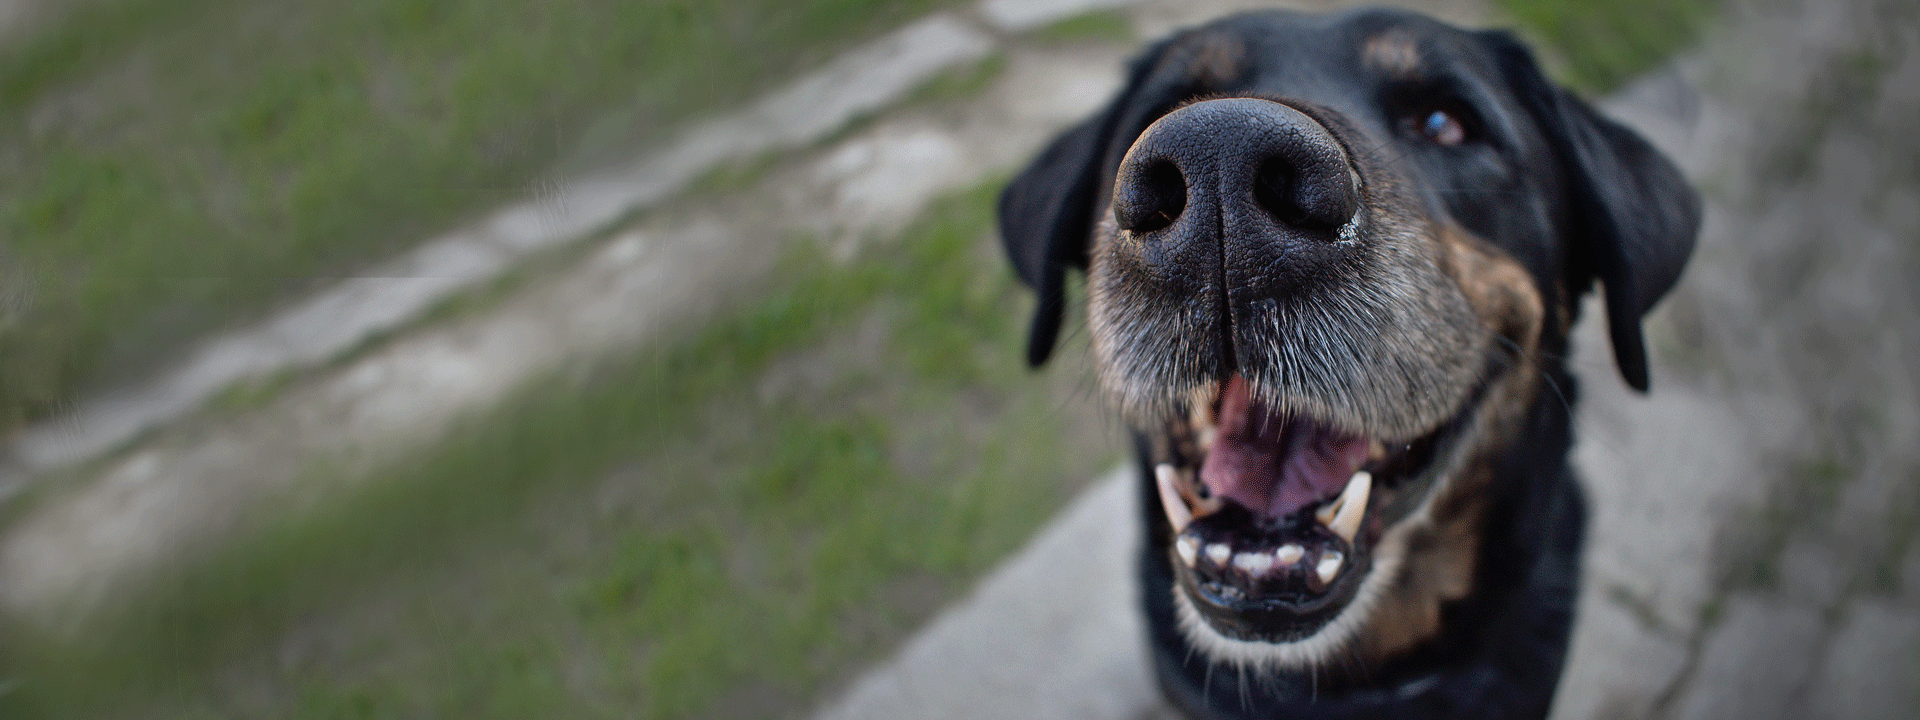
{"x": 1242, "y": 563}
{"x": 1284, "y": 617}
{"x": 1275, "y": 607}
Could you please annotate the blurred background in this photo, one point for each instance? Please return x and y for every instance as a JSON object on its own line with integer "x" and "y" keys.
{"x": 577, "y": 358}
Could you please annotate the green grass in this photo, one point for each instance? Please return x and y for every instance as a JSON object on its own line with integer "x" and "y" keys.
{"x": 684, "y": 534}
{"x": 1598, "y": 45}
{"x": 963, "y": 82}
{"x": 1109, "y": 25}
{"x": 168, "y": 168}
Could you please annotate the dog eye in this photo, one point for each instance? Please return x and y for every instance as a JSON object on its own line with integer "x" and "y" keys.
{"x": 1440, "y": 127}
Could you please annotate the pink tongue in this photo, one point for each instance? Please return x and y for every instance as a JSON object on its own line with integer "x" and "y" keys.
{"x": 1275, "y": 467}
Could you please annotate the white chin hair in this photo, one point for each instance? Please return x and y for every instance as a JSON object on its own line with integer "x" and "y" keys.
{"x": 1331, "y": 643}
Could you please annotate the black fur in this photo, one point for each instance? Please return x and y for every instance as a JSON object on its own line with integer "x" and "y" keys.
{"x": 1501, "y": 653}
{"x": 1584, "y": 199}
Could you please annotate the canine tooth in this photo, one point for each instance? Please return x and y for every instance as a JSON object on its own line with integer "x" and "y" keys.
{"x": 1253, "y": 563}
{"x": 1343, "y": 515}
{"x": 1197, "y": 507}
{"x": 1289, "y": 554}
{"x": 1327, "y": 512}
{"x": 1218, "y": 553}
{"x": 1328, "y": 566}
{"x": 1178, "y": 514}
{"x": 1184, "y": 546}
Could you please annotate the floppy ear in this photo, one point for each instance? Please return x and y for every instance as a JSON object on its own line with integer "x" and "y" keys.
{"x": 1633, "y": 216}
{"x": 1046, "y": 217}
{"x": 1047, "y": 212}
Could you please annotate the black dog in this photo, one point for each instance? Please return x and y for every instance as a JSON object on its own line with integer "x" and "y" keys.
{"x": 1331, "y": 266}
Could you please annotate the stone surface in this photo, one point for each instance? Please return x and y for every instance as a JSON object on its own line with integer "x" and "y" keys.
{"x": 1757, "y": 665}
{"x": 1620, "y": 664}
{"x": 1014, "y": 649}
{"x": 1020, "y": 15}
{"x": 1872, "y": 666}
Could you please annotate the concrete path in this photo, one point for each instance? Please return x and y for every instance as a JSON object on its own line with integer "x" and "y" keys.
{"x": 1017, "y": 648}
{"x": 1753, "y": 516}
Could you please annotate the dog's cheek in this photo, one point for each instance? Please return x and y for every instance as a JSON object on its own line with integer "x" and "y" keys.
{"x": 1432, "y": 562}
{"x": 1498, "y": 287}
{"x": 1115, "y": 322}
{"x": 1432, "y": 557}
{"x": 1151, "y": 327}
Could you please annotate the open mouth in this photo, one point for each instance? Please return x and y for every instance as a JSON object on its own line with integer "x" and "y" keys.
{"x": 1275, "y": 515}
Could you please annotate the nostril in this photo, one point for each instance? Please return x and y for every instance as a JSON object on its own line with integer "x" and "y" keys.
{"x": 1318, "y": 199}
{"x": 1152, "y": 199}
{"x": 1273, "y": 189}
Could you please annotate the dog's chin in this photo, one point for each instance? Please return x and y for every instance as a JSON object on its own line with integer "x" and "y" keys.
{"x": 1293, "y": 583}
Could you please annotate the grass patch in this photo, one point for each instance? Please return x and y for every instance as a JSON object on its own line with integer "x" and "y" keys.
{"x": 959, "y": 83}
{"x": 174, "y": 167}
{"x": 1598, "y": 45}
{"x": 734, "y": 175}
{"x": 720, "y": 529}
{"x": 1099, "y": 25}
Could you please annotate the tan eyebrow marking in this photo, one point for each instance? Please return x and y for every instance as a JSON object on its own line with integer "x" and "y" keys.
{"x": 1211, "y": 59}
{"x": 1392, "y": 52}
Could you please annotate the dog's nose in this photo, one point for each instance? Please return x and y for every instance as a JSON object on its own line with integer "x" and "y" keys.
{"x": 1254, "y": 180}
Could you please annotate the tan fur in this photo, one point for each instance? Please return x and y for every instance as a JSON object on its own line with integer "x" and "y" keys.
{"x": 1393, "y": 358}
{"x": 1212, "y": 59}
{"x": 1394, "y": 53}
{"x": 1434, "y": 551}
{"x": 1428, "y": 558}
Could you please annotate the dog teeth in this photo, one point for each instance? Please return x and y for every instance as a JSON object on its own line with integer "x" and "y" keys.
{"x": 1343, "y": 515}
{"x": 1253, "y": 563}
{"x": 1329, "y": 566}
{"x": 1218, "y": 553}
{"x": 1178, "y": 514}
{"x": 1188, "y": 553}
{"x": 1289, "y": 554}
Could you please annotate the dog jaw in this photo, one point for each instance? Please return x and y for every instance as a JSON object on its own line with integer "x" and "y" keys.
{"x": 1425, "y": 557}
